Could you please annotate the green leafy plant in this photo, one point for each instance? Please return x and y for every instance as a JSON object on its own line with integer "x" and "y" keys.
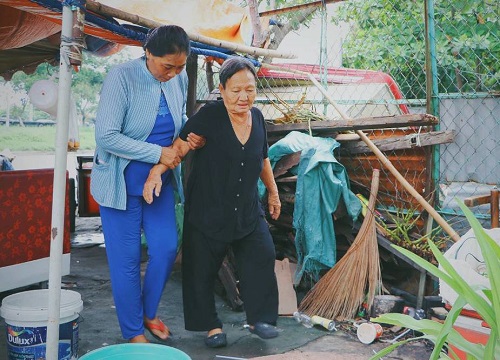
{"x": 443, "y": 334}
{"x": 401, "y": 230}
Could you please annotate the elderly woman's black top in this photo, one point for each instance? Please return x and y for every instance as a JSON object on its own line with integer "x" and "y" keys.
{"x": 222, "y": 200}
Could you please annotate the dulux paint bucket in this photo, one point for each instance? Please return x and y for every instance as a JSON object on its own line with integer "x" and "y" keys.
{"x": 136, "y": 351}
{"x": 26, "y": 316}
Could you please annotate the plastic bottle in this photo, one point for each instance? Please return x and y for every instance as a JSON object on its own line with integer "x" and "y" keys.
{"x": 303, "y": 319}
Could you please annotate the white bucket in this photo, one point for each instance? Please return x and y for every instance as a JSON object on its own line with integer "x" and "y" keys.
{"x": 26, "y": 316}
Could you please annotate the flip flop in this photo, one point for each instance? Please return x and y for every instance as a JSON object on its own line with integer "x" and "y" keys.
{"x": 160, "y": 327}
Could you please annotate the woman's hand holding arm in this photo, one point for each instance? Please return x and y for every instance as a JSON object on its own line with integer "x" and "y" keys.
{"x": 195, "y": 141}
{"x": 172, "y": 156}
{"x": 273, "y": 199}
{"x": 169, "y": 157}
{"x": 153, "y": 182}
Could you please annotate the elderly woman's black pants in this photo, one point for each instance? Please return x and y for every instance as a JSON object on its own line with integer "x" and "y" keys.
{"x": 201, "y": 259}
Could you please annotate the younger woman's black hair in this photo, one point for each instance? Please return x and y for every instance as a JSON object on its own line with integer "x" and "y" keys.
{"x": 167, "y": 39}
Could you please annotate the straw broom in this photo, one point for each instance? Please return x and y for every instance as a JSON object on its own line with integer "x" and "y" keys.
{"x": 356, "y": 277}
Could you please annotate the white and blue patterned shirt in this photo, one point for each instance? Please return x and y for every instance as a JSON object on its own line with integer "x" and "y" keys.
{"x": 126, "y": 115}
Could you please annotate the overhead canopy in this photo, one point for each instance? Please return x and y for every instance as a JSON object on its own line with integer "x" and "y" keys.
{"x": 217, "y": 19}
{"x": 30, "y": 29}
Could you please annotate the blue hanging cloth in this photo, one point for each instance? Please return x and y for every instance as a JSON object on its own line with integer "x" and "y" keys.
{"x": 321, "y": 182}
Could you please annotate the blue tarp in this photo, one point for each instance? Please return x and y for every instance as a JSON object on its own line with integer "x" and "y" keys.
{"x": 321, "y": 182}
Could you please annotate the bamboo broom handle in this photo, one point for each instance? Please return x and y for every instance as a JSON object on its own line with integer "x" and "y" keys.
{"x": 385, "y": 161}
{"x": 106, "y": 10}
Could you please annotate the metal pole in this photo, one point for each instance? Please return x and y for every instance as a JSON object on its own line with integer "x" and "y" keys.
{"x": 432, "y": 92}
{"x": 323, "y": 55}
{"x": 59, "y": 192}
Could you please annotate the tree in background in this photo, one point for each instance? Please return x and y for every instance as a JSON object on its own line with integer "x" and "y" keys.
{"x": 282, "y": 23}
{"x": 87, "y": 83}
{"x": 85, "y": 86}
{"x": 389, "y": 35}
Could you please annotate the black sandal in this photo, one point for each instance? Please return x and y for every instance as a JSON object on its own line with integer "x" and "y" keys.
{"x": 264, "y": 331}
{"x": 216, "y": 341}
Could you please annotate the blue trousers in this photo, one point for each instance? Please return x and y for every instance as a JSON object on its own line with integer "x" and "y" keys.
{"x": 122, "y": 236}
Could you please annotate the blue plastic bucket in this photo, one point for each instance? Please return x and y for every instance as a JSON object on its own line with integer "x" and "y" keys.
{"x": 136, "y": 352}
{"x": 26, "y": 316}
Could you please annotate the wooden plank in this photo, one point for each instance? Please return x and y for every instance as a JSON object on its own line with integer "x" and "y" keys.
{"x": 386, "y": 244}
{"x": 357, "y": 124}
{"x": 288, "y": 198}
{"x": 285, "y": 163}
{"x": 401, "y": 142}
{"x": 495, "y": 194}
{"x": 477, "y": 200}
{"x": 290, "y": 179}
{"x": 492, "y": 199}
{"x": 228, "y": 279}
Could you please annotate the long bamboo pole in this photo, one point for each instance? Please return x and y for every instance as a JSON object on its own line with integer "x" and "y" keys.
{"x": 385, "y": 161}
{"x": 106, "y": 10}
{"x": 297, "y": 7}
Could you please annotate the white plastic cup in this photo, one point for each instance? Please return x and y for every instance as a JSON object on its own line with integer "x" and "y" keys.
{"x": 369, "y": 332}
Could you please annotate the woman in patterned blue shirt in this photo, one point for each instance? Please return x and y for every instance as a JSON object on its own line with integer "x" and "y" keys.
{"x": 141, "y": 111}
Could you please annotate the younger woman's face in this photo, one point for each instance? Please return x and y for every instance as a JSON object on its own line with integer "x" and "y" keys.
{"x": 165, "y": 67}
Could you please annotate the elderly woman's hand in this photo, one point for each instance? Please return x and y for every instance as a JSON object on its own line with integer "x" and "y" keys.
{"x": 274, "y": 203}
{"x": 169, "y": 157}
{"x": 153, "y": 183}
{"x": 195, "y": 141}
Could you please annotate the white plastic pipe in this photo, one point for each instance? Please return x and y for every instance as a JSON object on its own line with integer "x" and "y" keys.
{"x": 59, "y": 189}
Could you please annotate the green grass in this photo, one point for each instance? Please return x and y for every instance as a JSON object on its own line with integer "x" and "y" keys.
{"x": 18, "y": 138}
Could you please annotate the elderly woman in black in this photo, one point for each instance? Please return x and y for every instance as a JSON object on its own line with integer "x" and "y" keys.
{"x": 223, "y": 209}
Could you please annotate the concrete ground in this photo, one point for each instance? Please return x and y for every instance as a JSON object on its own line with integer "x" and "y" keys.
{"x": 99, "y": 327}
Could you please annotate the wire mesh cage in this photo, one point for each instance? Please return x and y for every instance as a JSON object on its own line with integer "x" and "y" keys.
{"x": 391, "y": 58}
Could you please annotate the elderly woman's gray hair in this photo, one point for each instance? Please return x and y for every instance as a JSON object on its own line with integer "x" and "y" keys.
{"x": 231, "y": 66}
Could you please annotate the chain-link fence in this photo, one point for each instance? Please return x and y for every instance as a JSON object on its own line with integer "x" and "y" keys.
{"x": 387, "y": 60}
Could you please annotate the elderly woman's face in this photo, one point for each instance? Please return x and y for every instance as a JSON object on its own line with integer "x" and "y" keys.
{"x": 239, "y": 93}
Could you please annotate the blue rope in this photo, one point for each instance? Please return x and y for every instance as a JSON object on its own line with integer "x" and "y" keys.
{"x": 221, "y": 55}
{"x": 76, "y": 3}
{"x": 200, "y": 45}
{"x": 108, "y": 24}
{"x": 137, "y": 33}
